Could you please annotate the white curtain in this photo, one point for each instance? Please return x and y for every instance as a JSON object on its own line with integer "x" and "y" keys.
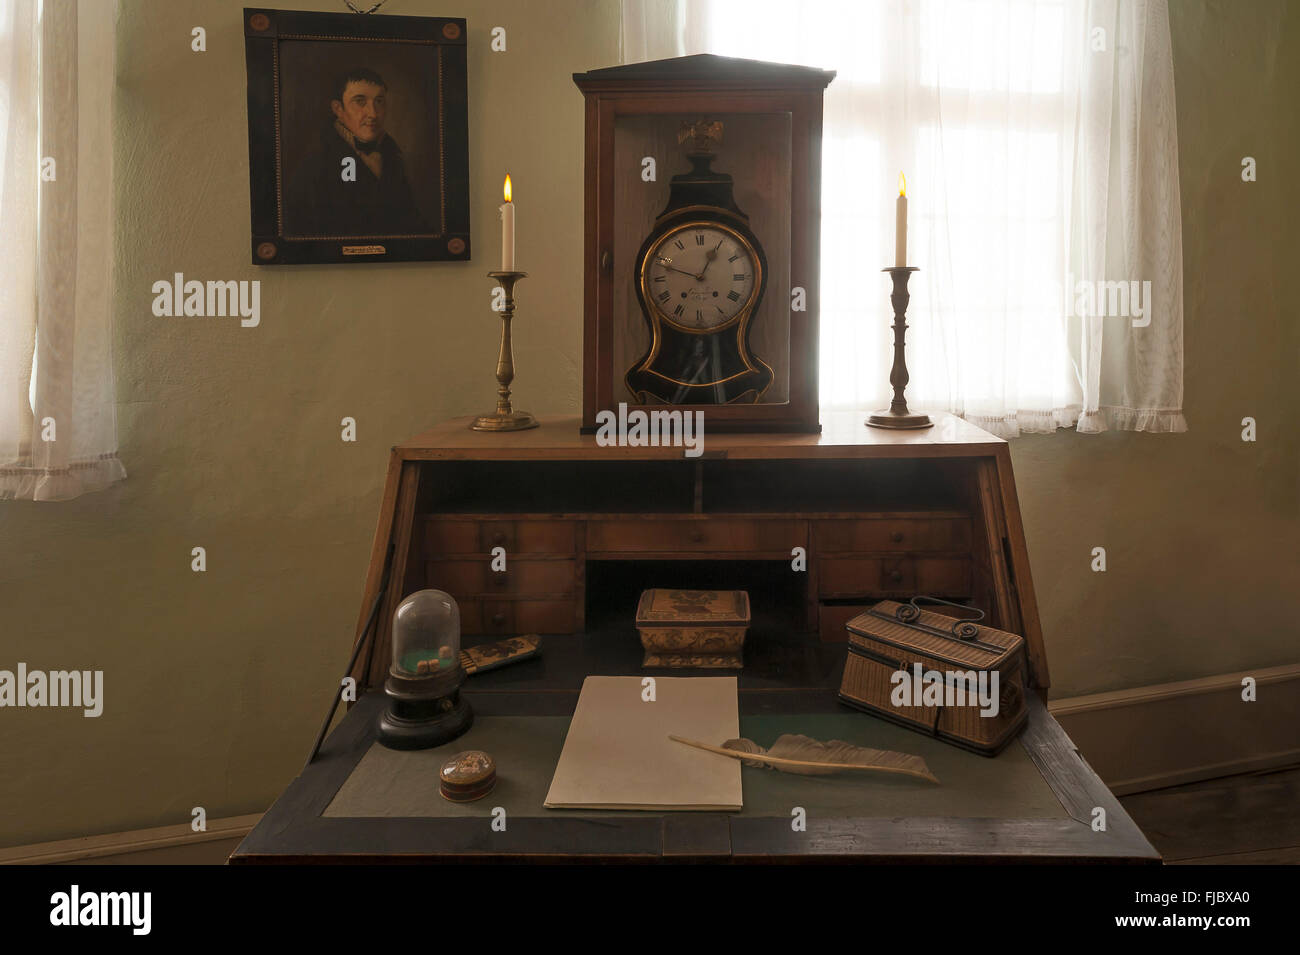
{"x": 1039, "y": 142}
{"x": 58, "y": 427}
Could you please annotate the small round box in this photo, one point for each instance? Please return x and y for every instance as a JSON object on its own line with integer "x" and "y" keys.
{"x": 467, "y": 776}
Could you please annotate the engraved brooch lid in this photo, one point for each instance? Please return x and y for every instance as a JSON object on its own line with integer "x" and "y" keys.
{"x": 467, "y": 776}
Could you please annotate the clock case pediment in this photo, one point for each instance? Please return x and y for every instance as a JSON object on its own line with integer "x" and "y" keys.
{"x": 706, "y": 70}
{"x": 783, "y": 100}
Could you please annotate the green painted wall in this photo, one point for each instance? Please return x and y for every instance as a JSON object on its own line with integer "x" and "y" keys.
{"x": 215, "y": 682}
{"x": 1201, "y": 529}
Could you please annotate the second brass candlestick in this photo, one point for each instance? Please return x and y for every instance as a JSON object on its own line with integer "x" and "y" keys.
{"x": 898, "y": 416}
{"x": 505, "y": 418}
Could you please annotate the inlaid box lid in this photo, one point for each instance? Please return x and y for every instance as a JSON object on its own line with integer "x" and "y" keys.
{"x": 964, "y": 642}
{"x": 677, "y": 608}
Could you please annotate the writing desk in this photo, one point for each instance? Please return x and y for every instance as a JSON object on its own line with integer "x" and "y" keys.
{"x": 815, "y": 527}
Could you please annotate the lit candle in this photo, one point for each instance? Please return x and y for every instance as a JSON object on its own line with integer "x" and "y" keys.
{"x": 900, "y": 224}
{"x": 507, "y": 231}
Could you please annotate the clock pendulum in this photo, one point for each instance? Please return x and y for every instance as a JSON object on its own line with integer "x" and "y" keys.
{"x": 700, "y": 276}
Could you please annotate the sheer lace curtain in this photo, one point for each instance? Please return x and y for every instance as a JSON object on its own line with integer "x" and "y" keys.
{"x": 1039, "y": 142}
{"x": 58, "y": 429}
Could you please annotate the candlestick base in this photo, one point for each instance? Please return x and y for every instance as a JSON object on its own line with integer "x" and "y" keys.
{"x": 901, "y": 422}
{"x": 511, "y": 421}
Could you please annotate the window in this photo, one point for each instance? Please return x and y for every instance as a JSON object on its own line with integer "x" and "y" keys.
{"x": 1014, "y": 122}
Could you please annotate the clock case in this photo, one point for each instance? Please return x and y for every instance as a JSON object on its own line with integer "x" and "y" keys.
{"x": 700, "y": 197}
{"x": 781, "y": 106}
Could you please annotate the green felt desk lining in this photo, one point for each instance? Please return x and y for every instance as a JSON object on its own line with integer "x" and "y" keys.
{"x": 396, "y": 783}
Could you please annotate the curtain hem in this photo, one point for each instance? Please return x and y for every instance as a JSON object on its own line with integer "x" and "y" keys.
{"x": 18, "y": 483}
{"x": 1108, "y": 418}
{"x": 1154, "y": 420}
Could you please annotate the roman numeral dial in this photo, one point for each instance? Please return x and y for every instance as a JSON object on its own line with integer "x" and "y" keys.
{"x": 700, "y": 276}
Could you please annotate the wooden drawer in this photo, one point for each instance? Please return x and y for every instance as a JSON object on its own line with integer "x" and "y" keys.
{"x": 511, "y": 617}
{"x": 911, "y": 534}
{"x": 705, "y": 535}
{"x": 475, "y": 576}
{"x": 446, "y": 537}
{"x": 870, "y": 576}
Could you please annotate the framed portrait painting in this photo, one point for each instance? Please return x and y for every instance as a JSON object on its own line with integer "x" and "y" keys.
{"x": 358, "y": 137}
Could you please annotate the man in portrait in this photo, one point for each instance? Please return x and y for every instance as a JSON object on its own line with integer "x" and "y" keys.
{"x": 370, "y": 195}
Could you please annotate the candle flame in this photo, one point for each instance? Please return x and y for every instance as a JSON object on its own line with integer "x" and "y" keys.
{"x": 902, "y": 184}
{"x": 506, "y": 190}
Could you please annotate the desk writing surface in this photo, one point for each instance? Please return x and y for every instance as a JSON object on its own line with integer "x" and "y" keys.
{"x": 306, "y": 824}
{"x": 360, "y": 803}
{"x": 393, "y": 783}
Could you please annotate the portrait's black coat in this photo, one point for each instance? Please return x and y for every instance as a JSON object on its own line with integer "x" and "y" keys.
{"x": 318, "y": 202}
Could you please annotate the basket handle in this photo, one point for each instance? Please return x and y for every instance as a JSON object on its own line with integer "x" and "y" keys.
{"x": 961, "y": 629}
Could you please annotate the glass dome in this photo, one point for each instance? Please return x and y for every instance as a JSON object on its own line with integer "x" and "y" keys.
{"x": 426, "y": 635}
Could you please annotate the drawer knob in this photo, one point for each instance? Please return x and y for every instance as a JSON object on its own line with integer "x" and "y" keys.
{"x": 697, "y": 537}
{"x": 499, "y": 538}
{"x": 896, "y": 537}
{"x": 896, "y": 576}
{"x": 498, "y": 619}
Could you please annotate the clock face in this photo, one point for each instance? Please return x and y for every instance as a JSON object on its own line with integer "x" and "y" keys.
{"x": 700, "y": 276}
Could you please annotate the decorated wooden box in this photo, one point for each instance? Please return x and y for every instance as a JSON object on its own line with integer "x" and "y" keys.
{"x": 693, "y": 628}
{"x": 957, "y": 680}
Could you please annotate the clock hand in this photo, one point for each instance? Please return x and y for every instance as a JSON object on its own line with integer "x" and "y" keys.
{"x": 673, "y": 268}
{"x": 709, "y": 256}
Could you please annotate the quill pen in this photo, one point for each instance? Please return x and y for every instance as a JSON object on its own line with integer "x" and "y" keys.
{"x": 805, "y": 756}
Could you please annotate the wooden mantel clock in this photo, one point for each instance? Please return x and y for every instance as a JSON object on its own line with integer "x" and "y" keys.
{"x": 703, "y": 214}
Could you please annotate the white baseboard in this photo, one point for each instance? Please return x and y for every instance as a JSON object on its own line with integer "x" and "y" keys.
{"x": 163, "y": 844}
{"x": 1151, "y": 737}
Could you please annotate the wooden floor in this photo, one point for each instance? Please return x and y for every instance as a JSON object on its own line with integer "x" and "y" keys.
{"x": 1236, "y": 820}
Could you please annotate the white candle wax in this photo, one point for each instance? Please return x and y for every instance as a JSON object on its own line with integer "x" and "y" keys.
{"x": 900, "y": 224}
{"x": 507, "y": 231}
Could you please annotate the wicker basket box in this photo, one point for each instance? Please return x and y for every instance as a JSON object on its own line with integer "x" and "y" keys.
{"x": 693, "y": 628}
{"x": 948, "y": 664}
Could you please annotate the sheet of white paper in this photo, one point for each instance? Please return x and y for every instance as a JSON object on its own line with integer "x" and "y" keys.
{"x": 617, "y": 754}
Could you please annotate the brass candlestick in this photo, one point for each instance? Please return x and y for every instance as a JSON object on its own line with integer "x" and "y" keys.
{"x": 505, "y": 418}
{"x": 898, "y": 416}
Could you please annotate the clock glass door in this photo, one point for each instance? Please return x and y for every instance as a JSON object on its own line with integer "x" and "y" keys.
{"x": 701, "y": 274}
